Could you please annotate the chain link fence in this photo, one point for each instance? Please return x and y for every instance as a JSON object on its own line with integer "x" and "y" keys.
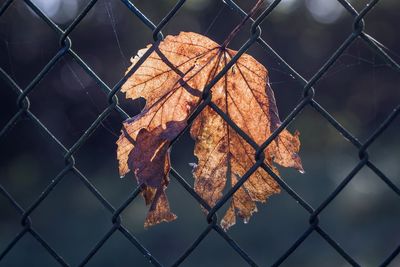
{"x": 210, "y": 224}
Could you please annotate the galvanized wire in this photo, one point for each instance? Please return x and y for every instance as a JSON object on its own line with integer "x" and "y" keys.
{"x": 65, "y": 48}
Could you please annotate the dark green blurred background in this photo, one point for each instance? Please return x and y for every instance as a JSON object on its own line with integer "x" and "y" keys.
{"x": 360, "y": 90}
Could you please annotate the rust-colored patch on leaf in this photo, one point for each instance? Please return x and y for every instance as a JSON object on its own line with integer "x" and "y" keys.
{"x": 171, "y": 80}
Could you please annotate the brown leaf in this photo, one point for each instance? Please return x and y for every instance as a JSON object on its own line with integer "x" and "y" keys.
{"x": 171, "y": 80}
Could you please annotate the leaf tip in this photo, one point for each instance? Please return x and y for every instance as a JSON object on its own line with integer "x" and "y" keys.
{"x": 298, "y": 164}
{"x": 226, "y": 224}
{"x": 154, "y": 218}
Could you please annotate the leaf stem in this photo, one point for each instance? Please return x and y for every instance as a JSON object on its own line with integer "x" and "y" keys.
{"x": 240, "y": 25}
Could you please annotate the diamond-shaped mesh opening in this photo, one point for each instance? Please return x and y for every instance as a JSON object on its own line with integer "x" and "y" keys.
{"x": 213, "y": 251}
{"x": 259, "y": 236}
{"x": 167, "y": 241}
{"x": 108, "y": 255}
{"x": 327, "y": 155}
{"x": 366, "y": 85}
{"x": 101, "y": 170}
{"x": 71, "y": 221}
{"x": 23, "y": 55}
{"x": 198, "y": 243}
{"x": 381, "y": 29}
{"x": 67, "y": 95}
{"x": 28, "y": 250}
{"x": 119, "y": 29}
{"x": 304, "y": 255}
{"x": 312, "y": 41}
{"x": 26, "y": 169}
{"x": 366, "y": 196}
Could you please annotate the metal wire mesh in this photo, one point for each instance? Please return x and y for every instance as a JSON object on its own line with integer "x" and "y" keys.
{"x": 28, "y": 227}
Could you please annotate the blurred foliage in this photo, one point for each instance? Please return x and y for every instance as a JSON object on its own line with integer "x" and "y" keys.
{"x": 360, "y": 90}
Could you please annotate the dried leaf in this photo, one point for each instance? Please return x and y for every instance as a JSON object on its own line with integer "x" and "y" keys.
{"x": 171, "y": 80}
